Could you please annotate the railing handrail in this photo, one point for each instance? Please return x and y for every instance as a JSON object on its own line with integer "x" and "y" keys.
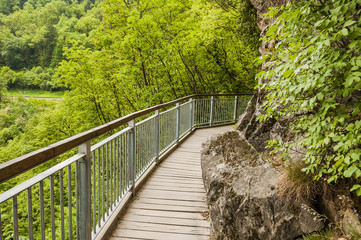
{"x": 28, "y": 161}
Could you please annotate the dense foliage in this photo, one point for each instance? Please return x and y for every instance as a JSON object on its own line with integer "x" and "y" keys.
{"x": 34, "y": 33}
{"x": 148, "y": 52}
{"x": 313, "y": 77}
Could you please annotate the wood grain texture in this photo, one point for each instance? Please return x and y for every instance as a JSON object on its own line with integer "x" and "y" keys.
{"x": 172, "y": 203}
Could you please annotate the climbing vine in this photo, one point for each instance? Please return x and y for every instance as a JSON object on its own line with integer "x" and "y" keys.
{"x": 313, "y": 77}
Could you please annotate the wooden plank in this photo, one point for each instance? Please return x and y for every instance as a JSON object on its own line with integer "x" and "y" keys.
{"x": 176, "y": 188}
{"x": 178, "y": 167}
{"x": 175, "y": 183}
{"x": 190, "y": 169}
{"x": 166, "y": 178}
{"x": 165, "y": 172}
{"x": 192, "y": 159}
{"x": 172, "y": 195}
{"x": 168, "y": 228}
{"x": 168, "y": 214}
{"x": 154, "y": 235}
{"x": 179, "y": 179}
{"x": 166, "y": 220}
{"x": 173, "y": 208}
{"x": 170, "y": 202}
{"x": 180, "y": 176}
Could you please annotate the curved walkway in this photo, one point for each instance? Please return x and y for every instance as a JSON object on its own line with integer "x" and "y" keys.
{"x": 172, "y": 203}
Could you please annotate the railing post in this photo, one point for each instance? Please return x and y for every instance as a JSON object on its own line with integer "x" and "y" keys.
{"x": 191, "y": 114}
{"x": 132, "y": 156}
{"x": 235, "y": 108}
{"x": 84, "y": 192}
{"x": 156, "y": 134}
{"x": 177, "y": 123}
{"x": 211, "y": 114}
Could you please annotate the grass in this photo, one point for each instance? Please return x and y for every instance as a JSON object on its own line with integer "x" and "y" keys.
{"x": 322, "y": 235}
{"x": 297, "y": 186}
{"x": 34, "y": 93}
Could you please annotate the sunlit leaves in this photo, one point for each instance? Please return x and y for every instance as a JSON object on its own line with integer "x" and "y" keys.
{"x": 315, "y": 73}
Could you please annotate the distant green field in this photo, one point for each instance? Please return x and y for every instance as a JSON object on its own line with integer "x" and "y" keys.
{"x": 34, "y": 93}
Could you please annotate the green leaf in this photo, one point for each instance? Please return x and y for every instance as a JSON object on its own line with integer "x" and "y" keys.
{"x": 353, "y": 44}
{"x": 348, "y": 173}
{"x": 349, "y": 23}
{"x": 288, "y": 73}
{"x": 355, "y": 187}
{"x": 344, "y": 32}
{"x": 357, "y": 173}
{"x": 355, "y": 156}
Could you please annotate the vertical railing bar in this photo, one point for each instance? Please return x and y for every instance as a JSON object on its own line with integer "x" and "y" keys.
{"x": 30, "y": 215}
{"x": 121, "y": 165}
{"x": 191, "y": 114}
{"x": 111, "y": 175}
{"x": 61, "y": 185}
{"x": 132, "y": 155}
{"x": 107, "y": 179}
{"x": 125, "y": 162}
{"x": 77, "y": 197}
{"x": 99, "y": 198}
{"x": 103, "y": 184}
{"x": 177, "y": 123}
{"x": 125, "y": 158}
{"x": 139, "y": 148}
{"x": 70, "y": 207}
{"x": 142, "y": 147}
{"x": 137, "y": 151}
{"x": 15, "y": 217}
{"x": 42, "y": 215}
{"x": 211, "y": 114}
{"x": 94, "y": 221}
{"x": 116, "y": 170}
{"x": 85, "y": 192}
{"x": 52, "y": 210}
{"x": 144, "y": 143}
{"x": 1, "y": 225}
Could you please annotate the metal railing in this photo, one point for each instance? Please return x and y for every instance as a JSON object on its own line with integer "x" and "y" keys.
{"x": 79, "y": 197}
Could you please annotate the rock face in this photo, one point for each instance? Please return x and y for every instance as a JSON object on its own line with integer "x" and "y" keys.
{"x": 241, "y": 188}
{"x": 243, "y": 200}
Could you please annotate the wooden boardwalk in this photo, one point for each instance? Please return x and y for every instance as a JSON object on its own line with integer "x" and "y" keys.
{"x": 172, "y": 203}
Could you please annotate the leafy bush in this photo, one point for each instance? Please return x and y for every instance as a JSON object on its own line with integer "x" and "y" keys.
{"x": 314, "y": 72}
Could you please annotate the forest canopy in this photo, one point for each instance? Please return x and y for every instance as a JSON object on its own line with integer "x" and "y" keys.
{"x": 116, "y": 57}
{"x": 154, "y": 51}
